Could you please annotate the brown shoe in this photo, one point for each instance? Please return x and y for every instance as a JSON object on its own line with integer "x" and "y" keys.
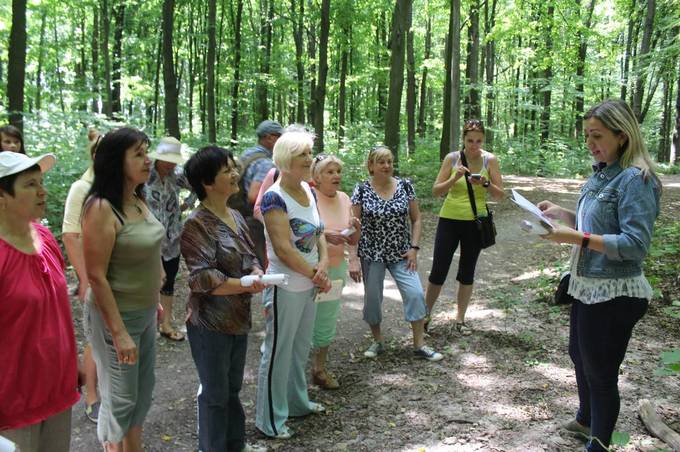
{"x": 325, "y": 380}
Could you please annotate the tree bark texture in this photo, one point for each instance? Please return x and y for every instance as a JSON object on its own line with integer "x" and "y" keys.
{"x": 16, "y": 64}
{"x": 237, "y": 72}
{"x": 171, "y": 116}
{"x": 473, "y": 108}
{"x": 644, "y": 50}
{"x": 410, "y": 85}
{"x": 210, "y": 70}
{"x": 116, "y": 63}
{"x": 320, "y": 92}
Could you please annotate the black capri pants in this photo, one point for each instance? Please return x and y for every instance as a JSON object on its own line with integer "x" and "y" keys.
{"x": 170, "y": 267}
{"x": 449, "y": 234}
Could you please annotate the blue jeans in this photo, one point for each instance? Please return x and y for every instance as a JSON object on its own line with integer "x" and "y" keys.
{"x": 598, "y": 339}
{"x": 220, "y": 359}
{"x": 408, "y": 284}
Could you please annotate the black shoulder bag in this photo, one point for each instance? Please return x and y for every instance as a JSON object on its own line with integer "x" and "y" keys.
{"x": 485, "y": 226}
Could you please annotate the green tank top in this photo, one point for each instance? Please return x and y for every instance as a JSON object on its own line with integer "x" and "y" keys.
{"x": 456, "y": 205}
{"x": 134, "y": 272}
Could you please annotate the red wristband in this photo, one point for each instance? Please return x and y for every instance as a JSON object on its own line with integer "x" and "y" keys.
{"x": 586, "y": 240}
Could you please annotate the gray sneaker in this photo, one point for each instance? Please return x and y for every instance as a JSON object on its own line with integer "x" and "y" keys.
{"x": 374, "y": 350}
{"x": 92, "y": 411}
{"x": 427, "y": 353}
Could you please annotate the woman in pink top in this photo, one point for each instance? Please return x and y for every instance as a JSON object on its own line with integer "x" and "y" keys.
{"x": 335, "y": 209}
{"x": 39, "y": 376}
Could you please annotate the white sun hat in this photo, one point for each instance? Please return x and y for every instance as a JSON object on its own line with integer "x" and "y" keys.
{"x": 15, "y": 162}
{"x": 169, "y": 149}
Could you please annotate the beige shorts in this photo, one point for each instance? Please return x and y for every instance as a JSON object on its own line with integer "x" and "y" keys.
{"x": 53, "y": 434}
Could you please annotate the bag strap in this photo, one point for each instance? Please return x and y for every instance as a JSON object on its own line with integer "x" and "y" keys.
{"x": 469, "y": 186}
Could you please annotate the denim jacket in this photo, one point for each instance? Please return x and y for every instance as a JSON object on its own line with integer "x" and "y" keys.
{"x": 619, "y": 205}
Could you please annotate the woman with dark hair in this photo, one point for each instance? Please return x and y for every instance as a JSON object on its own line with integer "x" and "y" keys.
{"x": 218, "y": 251}
{"x": 457, "y": 223}
{"x": 121, "y": 245}
{"x": 39, "y": 377}
{"x": 611, "y": 231}
{"x": 11, "y": 140}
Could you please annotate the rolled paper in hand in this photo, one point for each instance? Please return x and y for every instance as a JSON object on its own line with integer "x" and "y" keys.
{"x": 349, "y": 231}
{"x": 278, "y": 279}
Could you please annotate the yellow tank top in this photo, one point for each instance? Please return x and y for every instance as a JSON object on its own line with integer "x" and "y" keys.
{"x": 457, "y": 202}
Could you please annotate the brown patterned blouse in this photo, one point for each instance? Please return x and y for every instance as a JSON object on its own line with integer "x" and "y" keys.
{"x": 213, "y": 252}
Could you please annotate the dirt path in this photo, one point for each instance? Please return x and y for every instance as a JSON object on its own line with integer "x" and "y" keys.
{"x": 505, "y": 387}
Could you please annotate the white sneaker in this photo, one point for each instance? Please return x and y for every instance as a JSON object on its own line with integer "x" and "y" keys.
{"x": 253, "y": 448}
{"x": 374, "y": 350}
{"x": 427, "y": 353}
{"x": 316, "y": 408}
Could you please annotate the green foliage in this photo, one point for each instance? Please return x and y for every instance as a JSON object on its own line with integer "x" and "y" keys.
{"x": 620, "y": 438}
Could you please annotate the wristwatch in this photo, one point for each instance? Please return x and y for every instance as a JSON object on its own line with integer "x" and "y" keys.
{"x": 486, "y": 184}
{"x": 586, "y": 240}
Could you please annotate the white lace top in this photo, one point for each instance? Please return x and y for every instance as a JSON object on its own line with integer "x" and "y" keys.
{"x": 598, "y": 290}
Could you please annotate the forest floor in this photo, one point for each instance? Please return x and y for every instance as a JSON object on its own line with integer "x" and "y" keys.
{"x": 506, "y": 387}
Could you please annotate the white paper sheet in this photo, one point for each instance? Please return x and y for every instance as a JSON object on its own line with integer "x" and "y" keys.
{"x": 531, "y": 208}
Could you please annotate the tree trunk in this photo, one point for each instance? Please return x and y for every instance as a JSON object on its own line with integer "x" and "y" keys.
{"x": 402, "y": 9}
{"x": 629, "y": 49}
{"x": 298, "y": 31}
{"x": 60, "y": 80}
{"x": 490, "y": 66}
{"x": 157, "y": 83}
{"x": 320, "y": 93}
{"x": 237, "y": 72}
{"x": 472, "y": 107}
{"x": 676, "y": 135}
{"x": 118, "y": 27}
{"x": 96, "y": 73}
{"x": 81, "y": 68}
{"x": 16, "y": 64}
{"x": 410, "y": 84}
{"x": 41, "y": 58}
{"x": 423, "y": 82}
{"x": 381, "y": 45}
{"x": 261, "y": 89}
{"x": 644, "y": 50}
{"x": 169, "y": 77}
{"x": 455, "y": 77}
{"x": 311, "y": 52}
{"x": 192, "y": 64}
{"x": 445, "y": 142}
{"x": 547, "y": 76}
{"x": 210, "y": 69}
{"x": 663, "y": 153}
{"x": 580, "y": 69}
{"x": 342, "y": 95}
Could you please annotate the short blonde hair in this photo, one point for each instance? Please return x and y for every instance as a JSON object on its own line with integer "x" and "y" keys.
{"x": 376, "y": 154}
{"x": 321, "y": 161}
{"x": 290, "y": 145}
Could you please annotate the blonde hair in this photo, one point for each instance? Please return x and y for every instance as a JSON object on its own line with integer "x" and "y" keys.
{"x": 321, "y": 161}
{"x": 376, "y": 154}
{"x": 289, "y": 145}
{"x": 619, "y": 118}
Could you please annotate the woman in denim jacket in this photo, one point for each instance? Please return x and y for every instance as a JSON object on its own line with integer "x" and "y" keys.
{"x": 611, "y": 231}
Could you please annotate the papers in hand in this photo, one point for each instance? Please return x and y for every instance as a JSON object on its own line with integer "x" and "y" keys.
{"x": 334, "y": 294}
{"x": 278, "y": 279}
{"x": 536, "y": 213}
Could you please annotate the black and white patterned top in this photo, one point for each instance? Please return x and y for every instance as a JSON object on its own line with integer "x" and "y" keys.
{"x": 385, "y": 224}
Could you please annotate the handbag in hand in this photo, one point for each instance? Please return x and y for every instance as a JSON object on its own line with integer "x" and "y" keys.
{"x": 561, "y": 294}
{"x": 485, "y": 226}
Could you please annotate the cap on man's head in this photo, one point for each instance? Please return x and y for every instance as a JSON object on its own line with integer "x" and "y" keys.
{"x": 268, "y": 127}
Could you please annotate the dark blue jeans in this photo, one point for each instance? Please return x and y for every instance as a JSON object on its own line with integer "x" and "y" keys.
{"x": 220, "y": 359}
{"x": 598, "y": 339}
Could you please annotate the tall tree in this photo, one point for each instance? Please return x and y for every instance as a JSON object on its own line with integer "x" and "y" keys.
{"x": 319, "y": 101}
{"x": 261, "y": 88}
{"x": 16, "y": 64}
{"x": 581, "y": 66}
{"x": 445, "y": 141}
{"x": 169, "y": 77}
{"x": 473, "y": 108}
{"x": 645, "y": 46}
{"x": 298, "y": 10}
{"x": 423, "y": 81}
{"x": 451, "y": 127}
{"x": 95, "y": 60}
{"x": 237, "y": 72}
{"x": 490, "y": 68}
{"x": 410, "y": 84}
{"x": 397, "y": 38}
{"x": 210, "y": 69}
{"x": 116, "y": 66}
{"x": 41, "y": 60}
{"x": 547, "y": 76}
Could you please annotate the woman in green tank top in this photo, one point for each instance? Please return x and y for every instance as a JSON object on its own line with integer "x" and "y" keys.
{"x": 121, "y": 246}
{"x": 456, "y": 219}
